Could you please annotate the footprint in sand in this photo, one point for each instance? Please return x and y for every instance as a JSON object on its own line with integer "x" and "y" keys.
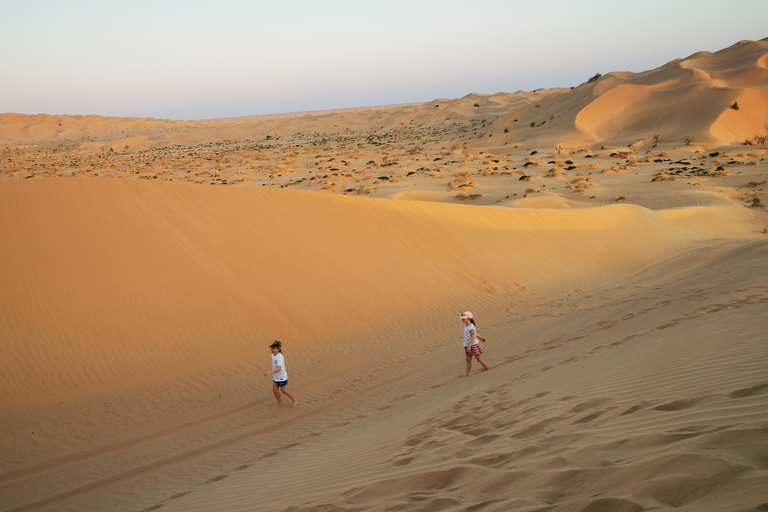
{"x": 677, "y": 405}
{"x": 747, "y": 392}
{"x": 179, "y": 495}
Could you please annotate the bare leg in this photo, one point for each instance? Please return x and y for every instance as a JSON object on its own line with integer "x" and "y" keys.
{"x": 276, "y": 391}
{"x": 480, "y": 360}
{"x": 469, "y": 364}
{"x": 289, "y": 395}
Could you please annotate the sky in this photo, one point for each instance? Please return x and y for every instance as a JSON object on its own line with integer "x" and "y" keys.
{"x": 202, "y": 60}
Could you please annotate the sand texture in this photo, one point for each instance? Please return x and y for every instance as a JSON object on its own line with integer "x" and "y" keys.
{"x": 610, "y": 238}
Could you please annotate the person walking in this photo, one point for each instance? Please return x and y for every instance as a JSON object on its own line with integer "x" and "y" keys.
{"x": 279, "y": 375}
{"x": 472, "y": 345}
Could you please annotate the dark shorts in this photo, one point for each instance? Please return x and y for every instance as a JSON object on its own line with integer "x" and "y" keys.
{"x": 475, "y": 349}
{"x": 281, "y": 383}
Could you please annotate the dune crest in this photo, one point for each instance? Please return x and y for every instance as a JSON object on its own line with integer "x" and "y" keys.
{"x": 664, "y": 99}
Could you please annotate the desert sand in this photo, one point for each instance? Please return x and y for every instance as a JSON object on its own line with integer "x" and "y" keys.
{"x": 611, "y": 239}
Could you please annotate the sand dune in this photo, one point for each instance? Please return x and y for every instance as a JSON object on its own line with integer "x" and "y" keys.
{"x": 611, "y": 239}
{"x": 153, "y": 270}
{"x": 653, "y": 410}
{"x": 689, "y": 97}
{"x": 685, "y": 98}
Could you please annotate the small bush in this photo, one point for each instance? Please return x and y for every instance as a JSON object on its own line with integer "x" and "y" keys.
{"x": 554, "y": 172}
{"x": 506, "y": 130}
{"x": 689, "y": 141}
{"x": 735, "y": 105}
{"x": 594, "y": 78}
{"x": 658, "y": 138}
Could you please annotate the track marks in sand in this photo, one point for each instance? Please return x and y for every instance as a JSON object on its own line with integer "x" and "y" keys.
{"x": 595, "y": 422}
{"x": 554, "y": 460}
{"x": 659, "y": 422}
{"x": 747, "y": 392}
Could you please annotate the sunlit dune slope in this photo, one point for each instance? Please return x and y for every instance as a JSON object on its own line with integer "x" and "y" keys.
{"x": 108, "y": 283}
{"x": 692, "y": 97}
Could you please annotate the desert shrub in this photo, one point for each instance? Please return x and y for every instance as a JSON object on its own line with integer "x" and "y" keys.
{"x": 689, "y": 141}
{"x": 657, "y": 138}
{"x": 594, "y": 78}
{"x": 663, "y": 176}
{"x": 533, "y": 124}
{"x": 756, "y": 203}
{"x": 735, "y": 105}
{"x": 760, "y": 140}
{"x": 477, "y": 104}
{"x": 506, "y": 130}
{"x": 415, "y": 149}
{"x": 554, "y": 172}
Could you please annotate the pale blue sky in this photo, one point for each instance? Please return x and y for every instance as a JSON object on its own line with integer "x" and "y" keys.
{"x": 195, "y": 60}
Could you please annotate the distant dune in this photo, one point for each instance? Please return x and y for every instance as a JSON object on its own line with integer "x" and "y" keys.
{"x": 611, "y": 240}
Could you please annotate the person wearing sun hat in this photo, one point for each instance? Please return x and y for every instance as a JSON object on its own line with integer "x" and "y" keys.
{"x": 279, "y": 375}
{"x": 472, "y": 345}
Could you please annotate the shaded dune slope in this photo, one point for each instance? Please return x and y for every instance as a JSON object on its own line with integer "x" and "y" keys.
{"x": 106, "y": 279}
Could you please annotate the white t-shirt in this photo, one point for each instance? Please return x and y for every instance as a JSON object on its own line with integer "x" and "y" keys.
{"x": 468, "y": 335}
{"x": 279, "y": 361}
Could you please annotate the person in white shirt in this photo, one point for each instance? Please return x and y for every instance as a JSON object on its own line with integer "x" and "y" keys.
{"x": 472, "y": 345}
{"x": 279, "y": 375}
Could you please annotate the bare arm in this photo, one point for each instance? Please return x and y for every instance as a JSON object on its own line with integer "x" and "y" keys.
{"x": 274, "y": 372}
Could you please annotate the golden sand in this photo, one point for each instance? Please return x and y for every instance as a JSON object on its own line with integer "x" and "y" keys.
{"x": 611, "y": 240}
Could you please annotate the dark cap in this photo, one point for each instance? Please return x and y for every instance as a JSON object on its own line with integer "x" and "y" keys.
{"x": 276, "y": 344}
